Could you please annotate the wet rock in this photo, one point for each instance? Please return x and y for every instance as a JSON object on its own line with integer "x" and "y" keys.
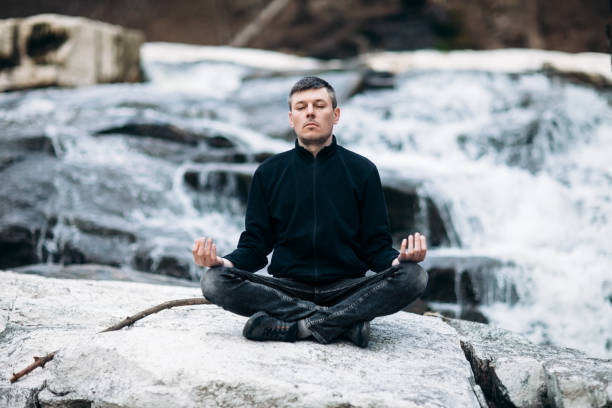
{"x": 469, "y": 280}
{"x": 221, "y": 156}
{"x": 410, "y": 211}
{"x": 514, "y": 372}
{"x": 170, "y": 261}
{"x": 27, "y": 186}
{"x": 167, "y": 132}
{"x": 28, "y": 144}
{"x": 472, "y": 314}
{"x": 223, "y": 180}
{"x": 18, "y": 245}
{"x": 441, "y": 285}
{"x": 54, "y": 50}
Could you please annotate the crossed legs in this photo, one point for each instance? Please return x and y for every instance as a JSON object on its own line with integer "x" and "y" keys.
{"x": 327, "y": 310}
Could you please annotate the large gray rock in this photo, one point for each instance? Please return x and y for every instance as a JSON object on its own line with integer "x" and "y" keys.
{"x": 196, "y": 356}
{"x": 55, "y": 50}
{"x": 514, "y": 372}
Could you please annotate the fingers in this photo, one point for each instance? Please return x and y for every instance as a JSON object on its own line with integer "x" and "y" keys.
{"x": 410, "y": 252}
{"x": 413, "y": 249}
{"x": 205, "y": 252}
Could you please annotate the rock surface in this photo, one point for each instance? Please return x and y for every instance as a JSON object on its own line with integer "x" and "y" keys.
{"x": 55, "y": 50}
{"x": 196, "y": 356}
{"x": 193, "y": 356}
{"x": 100, "y": 272}
{"x": 516, "y": 373}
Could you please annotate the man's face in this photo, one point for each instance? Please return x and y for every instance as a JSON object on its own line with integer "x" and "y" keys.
{"x": 312, "y": 116}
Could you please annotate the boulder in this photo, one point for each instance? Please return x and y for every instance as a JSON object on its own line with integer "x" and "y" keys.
{"x": 413, "y": 209}
{"x": 196, "y": 356}
{"x": 55, "y": 50}
{"x": 468, "y": 280}
{"x": 514, "y": 372}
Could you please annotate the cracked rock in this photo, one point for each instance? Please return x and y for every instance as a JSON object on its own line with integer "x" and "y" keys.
{"x": 513, "y": 372}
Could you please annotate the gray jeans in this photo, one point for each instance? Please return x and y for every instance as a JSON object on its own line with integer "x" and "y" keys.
{"x": 328, "y": 309}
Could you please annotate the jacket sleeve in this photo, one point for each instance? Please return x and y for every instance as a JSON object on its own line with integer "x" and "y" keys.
{"x": 256, "y": 241}
{"x": 376, "y": 240}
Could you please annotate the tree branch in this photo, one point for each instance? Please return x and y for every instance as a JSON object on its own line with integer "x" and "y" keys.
{"x": 38, "y": 362}
{"x": 252, "y": 30}
{"x": 41, "y": 361}
{"x": 128, "y": 321}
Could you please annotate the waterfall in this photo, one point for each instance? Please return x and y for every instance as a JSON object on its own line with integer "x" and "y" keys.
{"x": 511, "y": 168}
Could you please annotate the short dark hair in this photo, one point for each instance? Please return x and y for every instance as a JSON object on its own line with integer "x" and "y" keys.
{"x": 312, "y": 82}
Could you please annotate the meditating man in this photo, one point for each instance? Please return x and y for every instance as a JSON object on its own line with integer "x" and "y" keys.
{"x": 321, "y": 208}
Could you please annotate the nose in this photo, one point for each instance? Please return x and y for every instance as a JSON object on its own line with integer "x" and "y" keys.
{"x": 310, "y": 109}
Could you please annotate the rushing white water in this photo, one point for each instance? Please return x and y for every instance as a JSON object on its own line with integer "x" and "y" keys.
{"x": 521, "y": 161}
{"x": 549, "y": 211}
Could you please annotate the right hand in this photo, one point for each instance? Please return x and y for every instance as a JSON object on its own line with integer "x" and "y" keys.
{"x": 205, "y": 253}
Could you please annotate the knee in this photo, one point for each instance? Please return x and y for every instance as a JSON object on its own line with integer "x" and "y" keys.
{"x": 212, "y": 283}
{"x": 414, "y": 277}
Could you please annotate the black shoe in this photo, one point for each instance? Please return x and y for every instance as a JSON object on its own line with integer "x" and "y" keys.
{"x": 260, "y": 326}
{"x": 359, "y": 334}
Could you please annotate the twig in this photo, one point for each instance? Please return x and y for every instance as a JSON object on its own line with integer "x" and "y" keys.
{"x": 252, "y": 30}
{"x": 436, "y": 314}
{"x": 38, "y": 362}
{"x": 41, "y": 361}
{"x": 166, "y": 305}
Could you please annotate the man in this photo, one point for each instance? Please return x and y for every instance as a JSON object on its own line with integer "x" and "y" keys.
{"x": 321, "y": 208}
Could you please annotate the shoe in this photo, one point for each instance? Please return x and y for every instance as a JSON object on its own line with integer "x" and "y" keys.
{"x": 359, "y": 334}
{"x": 262, "y": 327}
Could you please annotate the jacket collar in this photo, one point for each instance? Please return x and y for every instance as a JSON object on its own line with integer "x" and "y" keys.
{"x": 323, "y": 154}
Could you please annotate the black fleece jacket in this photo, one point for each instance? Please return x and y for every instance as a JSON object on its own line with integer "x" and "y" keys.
{"x": 325, "y": 217}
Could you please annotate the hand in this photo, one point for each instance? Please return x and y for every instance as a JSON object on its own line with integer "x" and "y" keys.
{"x": 205, "y": 253}
{"x": 414, "y": 249}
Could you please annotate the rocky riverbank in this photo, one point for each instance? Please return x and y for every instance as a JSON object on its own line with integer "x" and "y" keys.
{"x": 196, "y": 355}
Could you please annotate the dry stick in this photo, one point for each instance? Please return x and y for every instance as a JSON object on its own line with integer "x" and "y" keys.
{"x": 252, "y": 30}
{"x": 38, "y": 362}
{"x": 166, "y": 305}
{"x": 41, "y": 361}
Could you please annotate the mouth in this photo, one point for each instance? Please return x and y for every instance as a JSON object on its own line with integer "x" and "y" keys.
{"x": 309, "y": 124}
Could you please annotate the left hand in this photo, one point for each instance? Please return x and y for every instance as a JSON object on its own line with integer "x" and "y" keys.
{"x": 413, "y": 249}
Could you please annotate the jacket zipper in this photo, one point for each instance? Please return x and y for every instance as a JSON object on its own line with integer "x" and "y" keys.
{"x": 314, "y": 229}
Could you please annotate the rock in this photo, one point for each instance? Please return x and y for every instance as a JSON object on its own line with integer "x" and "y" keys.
{"x": 579, "y": 382}
{"x": 100, "y": 273}
{"x": 18, "y": 245}
{"x": 167, "y": 132}
{"x": 468, "y": 280}
{"x": 410, "y": 210}
{"x": 591, "y": 68}
{"x": 196, "y": 356}
{"x": 55, "y": 50}
{"x": 225, "y": 180}
{"x": 514, "y": 372}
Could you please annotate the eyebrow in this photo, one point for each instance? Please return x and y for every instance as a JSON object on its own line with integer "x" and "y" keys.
{"x": 315, "y": 101}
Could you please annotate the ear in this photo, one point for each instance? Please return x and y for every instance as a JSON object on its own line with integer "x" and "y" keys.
{"x": 336, "y": 115}
{"x": 291, "y": 120}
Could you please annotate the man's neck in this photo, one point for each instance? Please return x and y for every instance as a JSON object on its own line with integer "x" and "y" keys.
{"x": 316, "y": 148}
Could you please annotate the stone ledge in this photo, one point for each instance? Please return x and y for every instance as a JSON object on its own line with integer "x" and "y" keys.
{"x": 56, "y": 50}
